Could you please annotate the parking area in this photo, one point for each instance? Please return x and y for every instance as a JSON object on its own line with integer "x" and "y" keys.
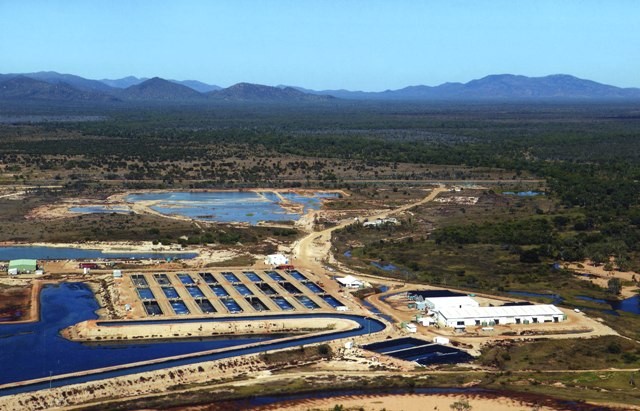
{"x": 225, "y": 292}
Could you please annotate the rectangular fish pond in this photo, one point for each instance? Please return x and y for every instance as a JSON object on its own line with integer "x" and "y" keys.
{"x": 208, "y": 278}
{"x": 297, "y": 275}
{"x": 256, "y": 303}
{"x": 282, "y": 303}
{"x": 231, "y": 305}
{"x": 186, "y": 279}
{"x": 266, "y": 288}
{"x": 231, "y": 277}
{"x": 243, "y": 289}
{"x": 162, "y": 279}
{"x": 291, "y": 289}
{"x": 331, "y": 300}
{"x": 419, "y": 351}
{"x": 205, "y": 306}
{"x": 170, "y": 292}
{"x": 275, "y": 276}
{"x": 219, "y": 290}
{"x": 139, "y": 280}
{"x": 152, "y": 307}
{"x": 315, "y": 288}
{"x": 195, "y": 291}
{"x": 179, "y": 307}
{"x": 252, "y": 276}
{"x": 307, "y": 302}
{"x": 145, "y": 294}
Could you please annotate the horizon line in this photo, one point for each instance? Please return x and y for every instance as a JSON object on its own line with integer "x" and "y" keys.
{"x": 144, "y": 78}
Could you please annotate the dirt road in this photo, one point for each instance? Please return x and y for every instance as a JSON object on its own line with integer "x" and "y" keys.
{"x": 313, "y": 250}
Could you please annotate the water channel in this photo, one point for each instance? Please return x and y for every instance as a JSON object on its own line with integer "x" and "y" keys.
{"x": 71, "y": 253}
{"x": 36, "y": 350}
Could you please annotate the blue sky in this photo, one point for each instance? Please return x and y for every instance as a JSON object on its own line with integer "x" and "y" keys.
{"x": 365, "y": 45}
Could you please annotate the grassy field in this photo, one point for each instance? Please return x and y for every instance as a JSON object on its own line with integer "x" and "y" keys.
{"x": 576, "y": 354}
{"x": 131, "y": 227}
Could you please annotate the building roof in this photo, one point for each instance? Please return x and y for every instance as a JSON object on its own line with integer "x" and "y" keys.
{"x": 457, "y": 301}
{"x": 348, "y": 280}
{"x": 435, "y": 293}
{"x": 23, "y": 263}
{"x": 496, "y": 312}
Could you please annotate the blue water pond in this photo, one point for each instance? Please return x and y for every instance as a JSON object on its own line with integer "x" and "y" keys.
{"x": 36, "y": 350}
{"x": 70, "y": 253}
{"x": 230, "y": 206}
{"x": 33, "y": 350}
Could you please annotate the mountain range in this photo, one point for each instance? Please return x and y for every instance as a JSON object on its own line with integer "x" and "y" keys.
{"x": 53, "y": 86}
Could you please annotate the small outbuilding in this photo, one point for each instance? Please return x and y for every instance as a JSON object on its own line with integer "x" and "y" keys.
{"x": 276, "y": 260}
{"x": 23, "y": 266}
{"x": 350, "y": 282}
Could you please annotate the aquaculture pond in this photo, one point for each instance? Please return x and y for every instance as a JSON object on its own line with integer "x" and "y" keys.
{"x": 230, "y": 206}
{"x": 100, "y": 210}
{"x": 36, "y": 350}
{"x": 70, "y": 253}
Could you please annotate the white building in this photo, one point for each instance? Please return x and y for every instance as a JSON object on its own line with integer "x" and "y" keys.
{"x": 350, "y": 282}
{"x": 381, "y": 221}
{"x": 427, "y": 321}
{"x": 438, "y": 303}
{"x": 483, "y": 316}
{"x": 441, "y": 340}
{"x": 276, "y": 260}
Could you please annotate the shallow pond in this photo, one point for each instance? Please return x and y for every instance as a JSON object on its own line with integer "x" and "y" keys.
{"x": 630, "y": 305}
{"x": 230, "y": 206}
{"x": 100, "y": 210}
{"x": 524, "y": 193}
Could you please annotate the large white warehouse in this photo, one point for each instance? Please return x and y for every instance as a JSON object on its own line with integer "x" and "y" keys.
{"x": 489, "y": 316}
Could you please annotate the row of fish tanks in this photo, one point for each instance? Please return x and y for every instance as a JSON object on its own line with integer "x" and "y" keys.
{"x": 217, "y": 286}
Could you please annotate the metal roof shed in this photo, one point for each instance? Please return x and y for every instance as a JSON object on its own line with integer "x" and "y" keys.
{"x": 23, "y": 266}
{"x": 524, "y": 314}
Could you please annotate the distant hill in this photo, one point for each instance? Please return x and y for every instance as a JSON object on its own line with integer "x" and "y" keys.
{"x": 26, "y": 88}
{"x": 123, "y": 82}
{"x": 498, "y": 87}
{"x": 129, "y": 81}
{"x": 157, "y": 89}
{"x": 257, "y": 92}
{"x": 197, "y": 85}
{"x": 52, "y": 77}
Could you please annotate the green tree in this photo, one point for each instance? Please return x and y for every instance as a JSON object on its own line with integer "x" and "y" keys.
{"x": 614, "y": 286}
{"x": 461, "y": 405}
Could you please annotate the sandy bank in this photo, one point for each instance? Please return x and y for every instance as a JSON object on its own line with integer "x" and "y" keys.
{"x": 92, "y": 331}
{"x": 407, "y": 402}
